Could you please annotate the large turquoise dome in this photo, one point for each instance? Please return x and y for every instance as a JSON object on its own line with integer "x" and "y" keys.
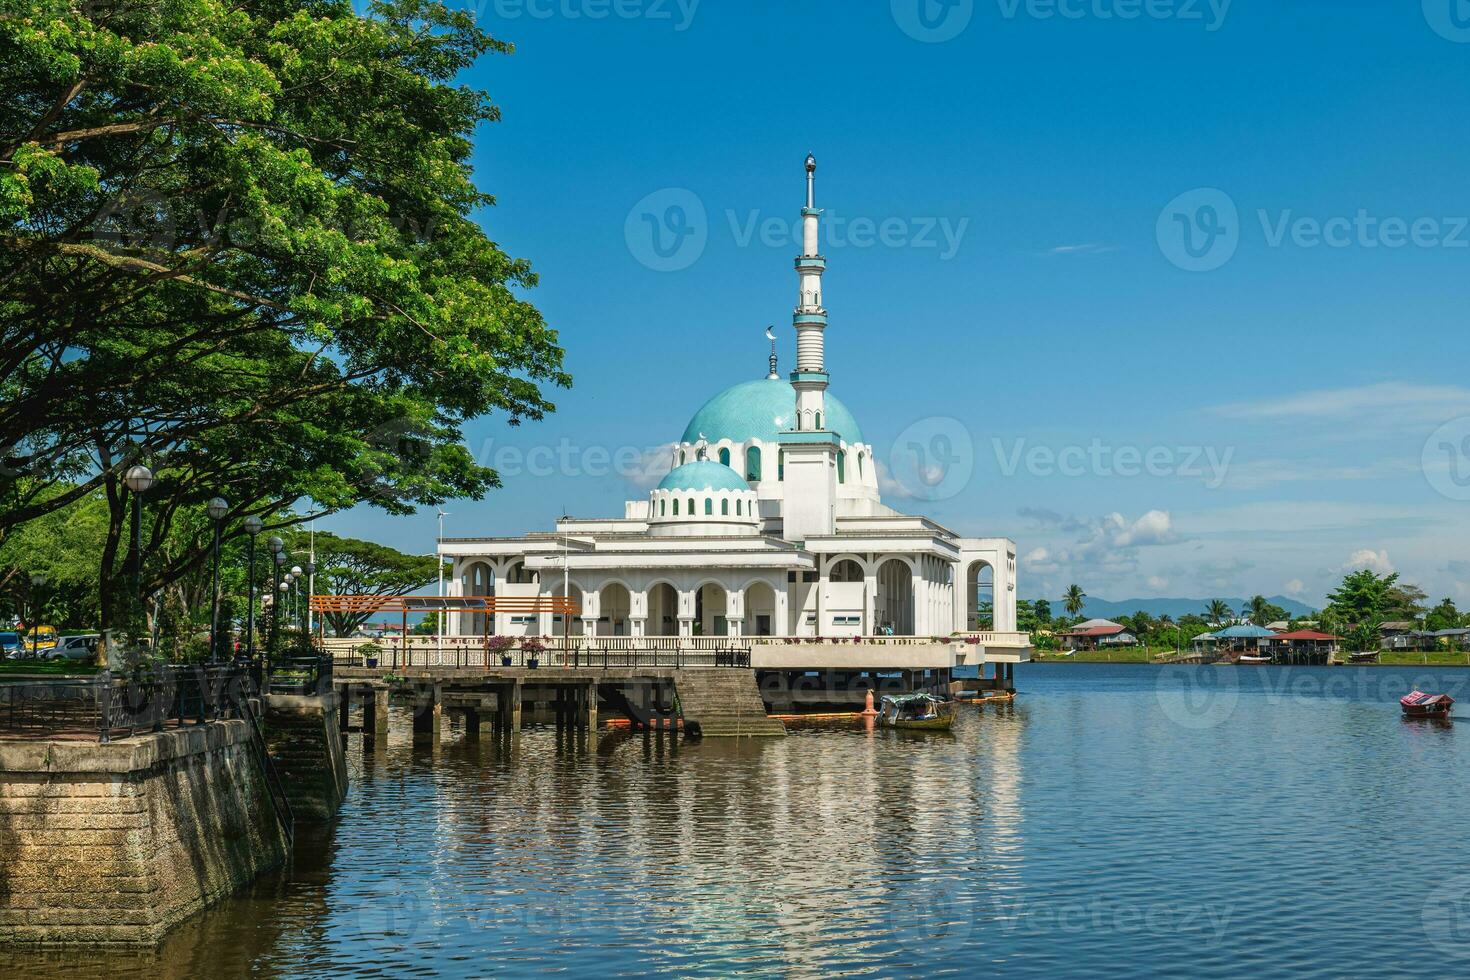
{"x": 703, "y": 474}
{"x": 760, "y": 410}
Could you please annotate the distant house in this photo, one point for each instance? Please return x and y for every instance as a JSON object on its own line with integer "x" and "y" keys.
{"x": 1280, "y": 626}
{"x": 1244, "y": 638}
{"x": 1399, "y": 634}
{"x": 1300, "y": 647}
{"x": 1095, "y": 634}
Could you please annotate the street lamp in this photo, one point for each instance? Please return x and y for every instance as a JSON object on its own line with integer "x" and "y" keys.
{"x": 38, "y": 582}
{"x": 278, "y": 558}
{"x": 296, "y": 574}
{"x": 217, "y": 510}
{"x": 139, "y": 480}
{"x": 310, "y": 588}
{"x": 252, "y": 529}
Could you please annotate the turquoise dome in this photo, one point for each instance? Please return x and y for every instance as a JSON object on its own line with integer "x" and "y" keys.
{"x": 761, "y": 409}
{"x": 703, "y": 475}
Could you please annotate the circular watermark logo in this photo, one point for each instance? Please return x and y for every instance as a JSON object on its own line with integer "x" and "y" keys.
{"x": 1199, "y": 230}
{"x": 1446, "y": 459}
{"x": 933, "y": 459}
{"x": 1446, "y": 917}
{"x": 1449, "y": 18}
{"x": 667, "y": 230}
{"x": 929, "y": 920}
{"x": 389, "y": 919}
{"x": 933, "y": 21}
{"x": 1197, "y": 697}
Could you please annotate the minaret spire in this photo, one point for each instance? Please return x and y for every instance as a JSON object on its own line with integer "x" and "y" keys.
{"x": 771, "y": 336}
{"x": 810, "y": 319}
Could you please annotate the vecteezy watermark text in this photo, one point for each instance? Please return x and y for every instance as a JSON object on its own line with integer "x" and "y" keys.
{"x": 936, "y": 21}
{"x": 1201, "y": 230}
{"x": 1207, "y": 463}
{"x": 680, "y": 13}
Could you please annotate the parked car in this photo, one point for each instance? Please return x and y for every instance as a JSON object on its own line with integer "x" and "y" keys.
{"x": 39, "y": 641}
{"x": 9, "y": 645}
{"x": 82, "y": 647}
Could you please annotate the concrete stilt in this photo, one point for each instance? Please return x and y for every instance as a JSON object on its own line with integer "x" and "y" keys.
{"x": 428, "y": 714}
{"x": 375, "y": 715}
{"x": 344, "y": 709}
{"x": 589, "y": 719}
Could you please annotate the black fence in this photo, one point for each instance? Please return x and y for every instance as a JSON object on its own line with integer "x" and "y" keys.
{"x": 610, "y": 658}
{"x": 303, "y": 673}
{"x": 108, "y": 706}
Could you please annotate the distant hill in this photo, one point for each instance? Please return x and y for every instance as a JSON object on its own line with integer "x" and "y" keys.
{"x": 1096, "y": 608}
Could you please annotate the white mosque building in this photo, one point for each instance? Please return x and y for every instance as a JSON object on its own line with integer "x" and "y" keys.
{"x": 769, "y": 525}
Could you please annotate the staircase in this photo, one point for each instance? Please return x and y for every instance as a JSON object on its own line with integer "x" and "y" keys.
{"x": 724, "y": 703}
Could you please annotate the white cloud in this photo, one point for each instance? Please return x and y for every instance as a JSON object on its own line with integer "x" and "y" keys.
{"x": 1376, "y": 561}
{"x": 1158, "y": 583}
{"x": 1039, "y": 561}
{"x": 1110, "y": 542}
{"x": 1257, "y": 473}
{"x": 1393, "y": 400}
{"x": 1090, "y": 248}
{"x": 1295, "y": 587}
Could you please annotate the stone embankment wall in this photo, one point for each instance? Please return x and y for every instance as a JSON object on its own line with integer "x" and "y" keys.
{"x": 116, "y": 844}
{"x": 305, "y": 742}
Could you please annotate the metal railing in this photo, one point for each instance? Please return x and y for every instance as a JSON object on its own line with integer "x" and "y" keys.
{"x": 110, "y": 706}
{"x": 671, "y": 653}
{"x": 301, "y": 673}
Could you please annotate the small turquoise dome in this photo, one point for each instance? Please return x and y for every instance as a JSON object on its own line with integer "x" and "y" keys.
{"x": 761, "y": 409}
{"x": 703, "y": 475}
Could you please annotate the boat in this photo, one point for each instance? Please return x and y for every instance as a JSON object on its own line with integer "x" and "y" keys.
{"x": 986, "y": 697}
{"x": 1417, "y": 704}
{"x": 1249, "y": 659}
{"x": 921, "y": 712}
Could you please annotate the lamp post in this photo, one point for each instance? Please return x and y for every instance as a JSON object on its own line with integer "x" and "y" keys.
{"x": 281, "y": 589}
{"x": 296, "y": 574}
{"x": 278, "y": 558}
{"x": 310, "y": 588}
{"x": 252, "y": 529}
{"x": 138, "y": 480}
{"x": 217, "y": 510}
{"x": 38, "y": 582}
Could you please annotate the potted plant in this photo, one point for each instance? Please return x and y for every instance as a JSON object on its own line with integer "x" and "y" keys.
{"x": 501, "y": 645}
{"x": 369, "y": 652}
{"x": 532, "y": 647}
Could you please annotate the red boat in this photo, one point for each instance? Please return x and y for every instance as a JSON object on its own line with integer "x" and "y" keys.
{"x": 1417, "y": 704}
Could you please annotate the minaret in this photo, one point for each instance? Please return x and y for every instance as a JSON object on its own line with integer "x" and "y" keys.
{"x": 810, "y": 377}
{"x": 809, "y": 493}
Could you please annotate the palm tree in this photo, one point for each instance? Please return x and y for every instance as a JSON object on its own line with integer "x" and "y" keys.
{"x": 1259, "y": 610}
{"x": 1218, "y": 611}
{"x": 1073, "y": 599}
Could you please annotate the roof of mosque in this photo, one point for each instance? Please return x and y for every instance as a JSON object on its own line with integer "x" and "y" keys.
{"x": 703, "y": 474}
{"x": 760, "y": 410}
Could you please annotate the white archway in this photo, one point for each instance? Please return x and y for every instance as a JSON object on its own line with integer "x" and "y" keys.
{"x": 710, "y": 603}
{"x": 893, "y": 606}
{"x": 760, "y": 610}
{"x": 663, "y": 610}
{"x": 616, "y": 603}
{"x": 980, "y": 596}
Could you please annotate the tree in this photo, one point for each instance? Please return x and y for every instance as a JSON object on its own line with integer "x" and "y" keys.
{"x": 1074, "y": 599}
{"x": 1260, "y": 611}
{"x": 1218, "y": 611}
{"x": 274, "y": 288}
{"x": 349, "y": 566}
{"x": 1143, "y": 625}
{"x": 1443, "y": 616}
{"x": 1363, "y": 596}
{"x": 1042, "y": 609}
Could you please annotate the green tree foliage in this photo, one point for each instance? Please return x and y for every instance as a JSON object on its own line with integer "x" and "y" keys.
{"x": 1443, "y": 616}
{"x": 63, "y": 546}
{"x": 349, "y": 566}
{"x": 1260, "y": 611}
{"x": 1074, "y": 599}
{"x": 1365, "y": 595}
{"x": 275, "y": 288}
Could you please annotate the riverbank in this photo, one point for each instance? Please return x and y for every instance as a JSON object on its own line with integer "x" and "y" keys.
{"x": 1396, "y": 658}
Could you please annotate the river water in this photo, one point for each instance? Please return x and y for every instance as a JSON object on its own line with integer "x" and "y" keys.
{"x": 1118, "y": 819}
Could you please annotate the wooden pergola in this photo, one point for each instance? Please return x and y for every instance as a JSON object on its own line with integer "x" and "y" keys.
{"x": 488, "y": 605}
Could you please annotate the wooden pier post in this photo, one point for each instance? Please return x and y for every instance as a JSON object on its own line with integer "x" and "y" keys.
{"x": 428, "y": 714}
{"x": 589, "y": 717}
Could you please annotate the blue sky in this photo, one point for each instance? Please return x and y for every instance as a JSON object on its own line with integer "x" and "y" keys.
{"x": 1174, "y": 292}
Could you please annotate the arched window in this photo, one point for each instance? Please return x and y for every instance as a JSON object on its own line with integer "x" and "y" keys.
{"x": 841, "y": 466}
{"x": 781, "y": 465}
{"x": 753, "y": 463}
{"x": 724, "y": 508}
{"x": 725, "y": 456}
{"x": 663, "y": 508}
{"x": 845, "y": 570}
{"x": 737, "y": 508}
{"x": 709, "y": 506}
{"x": 861, "y": 475}
{"x": 692, "y": 511}
{"x": 681, "y": 457}
{"x": 819, "y": 420}
{"x": 676, "y": 506}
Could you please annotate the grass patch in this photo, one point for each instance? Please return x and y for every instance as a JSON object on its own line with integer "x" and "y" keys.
{"x": 1125, "y": 656}
{"x": 1434, "y": 658}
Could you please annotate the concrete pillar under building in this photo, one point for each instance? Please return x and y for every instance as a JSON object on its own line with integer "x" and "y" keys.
{"x": 428, "y": 714}
{"x": 375, "y": 714}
